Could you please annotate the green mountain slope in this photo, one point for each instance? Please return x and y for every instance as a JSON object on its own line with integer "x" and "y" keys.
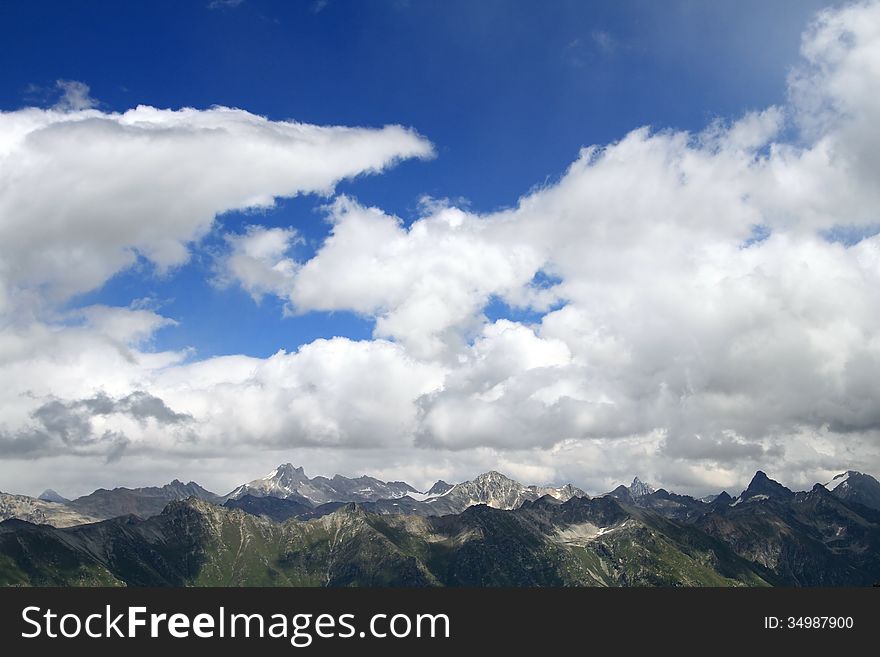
{"x": 194, "y": 543}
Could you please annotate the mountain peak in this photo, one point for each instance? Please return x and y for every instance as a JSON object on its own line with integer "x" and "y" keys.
{"x": 853, "y": 486}
{"x": 842, "y": 479}
{"x": 179, "y": 489}
{"x": 765, "y": 487}
{"x": 492, "y": 478}
{"x": 50, "y": 495}
{"x": 285, "y": 469}
{"x": 638, "y": 488}
{"x": 492, "y": 475}
{"x": 439, "y": 488}
{"x": 621, "y": 493}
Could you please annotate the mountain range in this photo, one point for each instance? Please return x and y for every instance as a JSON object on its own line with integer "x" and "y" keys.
{"x": 288, "y": 491}
{"x": 288, "y": 529}
{"x": 491, "y": 488}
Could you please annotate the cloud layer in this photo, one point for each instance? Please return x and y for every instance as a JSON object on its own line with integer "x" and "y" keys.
{"x": 699, "y": 304}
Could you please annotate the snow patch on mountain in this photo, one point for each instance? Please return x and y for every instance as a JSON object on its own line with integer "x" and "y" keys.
{"x": 839, "y": 480}
{"x": 584, "y": 532}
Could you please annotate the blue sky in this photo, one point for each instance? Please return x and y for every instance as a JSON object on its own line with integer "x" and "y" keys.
{"x": 507, "y": 92}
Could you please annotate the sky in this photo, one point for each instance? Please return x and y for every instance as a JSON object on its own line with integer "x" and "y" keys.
{"x": 571, "y": 241}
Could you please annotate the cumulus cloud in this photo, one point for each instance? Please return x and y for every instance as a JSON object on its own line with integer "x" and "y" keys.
{"x": 259, "y": 261}
{"x": 83, "y": 423}
{"x": 426, "y": 285}
{"x": 329, "y": 393}
{"x": 692, "y": 317}
{"x": 86, "y": 193}
{"x": 122, "y": 325}
{"x": 98, "y": 425}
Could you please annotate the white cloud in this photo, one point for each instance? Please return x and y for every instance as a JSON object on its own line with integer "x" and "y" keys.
{"x": 333, "y": 392}
{"x": 124, "y": 325}
{"x": 85, "y": 193}
{"x": 426, "y": 284}
{"x": 258, "y": 260}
